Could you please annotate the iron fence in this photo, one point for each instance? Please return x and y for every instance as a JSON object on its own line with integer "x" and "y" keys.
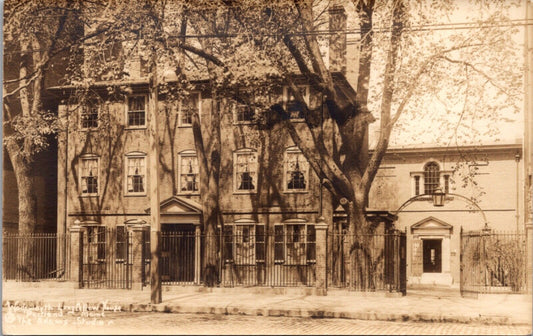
{"x": 106, "y": 257}
{"x": 493, "y": 262}
{"x": 371, "y": 262}
{"x": 36, "y": 256}
{"x": 284, "y": 257}
{"x": 241, "y": 256}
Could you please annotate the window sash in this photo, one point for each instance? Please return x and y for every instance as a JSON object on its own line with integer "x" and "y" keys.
{"x": 431, "y": 178}
{"x": 245, "y": 111}
{"x": 245, "y": 168}
{"x": 89, "y": 176}
{"x": 89, "y": 118}
{"x": 295, "y": 108}
{"x": 136, "y": 111}
{"x": 189, "y": 172}
{"x": 296, "y": 172}
{"x": 136, "y": 181}
{"x": 244, "y": 244}
{"x": 294, "y": 244}
{"x": 189, "y": 106}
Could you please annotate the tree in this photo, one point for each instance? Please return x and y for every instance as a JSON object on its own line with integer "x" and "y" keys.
{"x": 404, "y": 66}
{"x": 35, "y": 35}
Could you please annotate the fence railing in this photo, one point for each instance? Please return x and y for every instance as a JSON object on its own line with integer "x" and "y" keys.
{"x": 372, "y": 262}
{"x": 283, "y": 258}
{"x": 493, "y": 262}
{"x": 106, "y": 257}
{"x": 37, "y": 256}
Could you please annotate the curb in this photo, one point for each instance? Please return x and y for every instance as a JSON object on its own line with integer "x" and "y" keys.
{"x": 277, "y": 312}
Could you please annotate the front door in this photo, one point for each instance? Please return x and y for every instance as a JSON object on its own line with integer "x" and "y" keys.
{"x": 432, "y": 255}
{"x": 177, "y": 253}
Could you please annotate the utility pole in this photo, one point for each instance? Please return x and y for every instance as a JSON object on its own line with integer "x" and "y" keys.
{"x": 153, "y": 156}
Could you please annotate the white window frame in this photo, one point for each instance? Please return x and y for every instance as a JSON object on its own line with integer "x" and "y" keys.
{"x": 127, "y": 108}
{"x": 181, "y": 156}
{"x": 85, "y": 110}
{"x": 287, "y": 95}
{"x": 84, "y": 158}
{"x": 253, "y": 168}
{"x": 305, "y": 170}
{"x": 129, "y": 156}
{"x": 180, "y": 109}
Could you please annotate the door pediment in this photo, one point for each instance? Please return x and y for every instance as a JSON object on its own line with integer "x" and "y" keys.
{"x": 431, "y": 225}
{"x": 177, "y": 205}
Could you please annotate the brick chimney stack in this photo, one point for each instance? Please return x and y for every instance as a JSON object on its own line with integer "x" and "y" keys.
{"x": 337, "y": 38}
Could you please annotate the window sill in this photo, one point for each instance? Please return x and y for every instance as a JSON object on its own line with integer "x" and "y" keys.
{"x": 135, "y": 195}
{"x": 134, "y": 128}
{"x": 244, "y": 192}
{"x": 296, "y": 191}
{"x": 183, "y": 193}
{"x": 89, "y": 196}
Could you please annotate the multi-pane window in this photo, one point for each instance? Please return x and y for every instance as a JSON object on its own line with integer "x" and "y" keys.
{"x": 244, "y": 243}
{"x": 89, "y": 175}
{"x": 136, "y": 111}
{"x": 294, "y": 243}
{"x": 245, "y": 110}
{"x": 96, "y": 244}
{"x": 245, "y": 170}
{"x": 296, "y": 170}
{"x": 188, "y": 169}
{"x": 431, "y": 177}
{"x": 136, "y": 174}
{"x": 294, "y": 107}
{"x": 189, "y": 106}
{"x": 89, "y": 117}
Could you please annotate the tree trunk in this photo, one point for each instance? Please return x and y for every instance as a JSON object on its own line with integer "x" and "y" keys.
{"x": 26, "y": 188}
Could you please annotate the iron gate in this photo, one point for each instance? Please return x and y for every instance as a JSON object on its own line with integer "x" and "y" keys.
{"x": 106, "y": 258}
{"x": 492, "y": 262}
{"x": 371, "y": 262}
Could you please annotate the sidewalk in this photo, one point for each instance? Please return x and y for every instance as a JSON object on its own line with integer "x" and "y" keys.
{"x": 418, "y": 305}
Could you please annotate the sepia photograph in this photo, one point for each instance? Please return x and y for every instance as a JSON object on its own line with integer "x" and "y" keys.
{"x": 254, "y": 167}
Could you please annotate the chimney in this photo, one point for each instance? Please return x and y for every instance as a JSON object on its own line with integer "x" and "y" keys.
{"x": 337, "y": 38}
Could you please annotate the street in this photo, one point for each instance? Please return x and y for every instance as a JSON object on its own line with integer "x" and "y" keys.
{"x": 22, "y": 322}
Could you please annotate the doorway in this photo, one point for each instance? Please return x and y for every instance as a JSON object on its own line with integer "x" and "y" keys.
{"x": 178, "y": 253}
{"x": 432, "y": 255}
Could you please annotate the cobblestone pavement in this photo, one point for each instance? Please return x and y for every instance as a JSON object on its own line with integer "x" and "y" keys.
{"x": 22, "y": 322}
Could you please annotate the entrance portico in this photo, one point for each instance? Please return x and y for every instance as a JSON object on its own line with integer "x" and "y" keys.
{"x": 430, "y": 256}
{"x": 181, "y": 220}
